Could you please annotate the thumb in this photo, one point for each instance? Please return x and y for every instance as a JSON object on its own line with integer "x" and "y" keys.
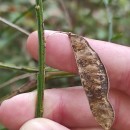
{"x": 42, "y": 124}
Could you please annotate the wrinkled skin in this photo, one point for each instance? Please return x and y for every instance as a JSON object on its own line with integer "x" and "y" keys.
{"x": 69, "y": 106}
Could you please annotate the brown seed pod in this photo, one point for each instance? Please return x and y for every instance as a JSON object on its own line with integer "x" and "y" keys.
{"x": 94, "y": 80}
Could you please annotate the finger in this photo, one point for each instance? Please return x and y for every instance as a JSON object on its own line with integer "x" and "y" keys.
{"x": 57, "y": 47}
{"x": 42, "y": 124}
{"x": 59, "y": 55}
{"x": 68, "y": 107}
{"x": 46, "y": 124}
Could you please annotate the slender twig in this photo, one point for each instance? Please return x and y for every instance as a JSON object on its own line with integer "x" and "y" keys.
{"x": 31, "y": 85}
{"x": 41, "y": 73}
{"x": 21, "y": 68}
{"x": 110, "y": 21}
{"x": 29, "y": 69}
{"x": 49, "y": 75}
{"x": 58, "y": 74}
{"x": 14, "y": 26}
{"x": 15, "y": 79}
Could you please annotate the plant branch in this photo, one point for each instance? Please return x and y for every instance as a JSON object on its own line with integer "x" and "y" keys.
{"x": 41, "y": 66}
{"x": 31, "y": 85}
{"x": 14, "y": 26}
{"x": 21, "y": 68}
{"x": 15, "y": 79}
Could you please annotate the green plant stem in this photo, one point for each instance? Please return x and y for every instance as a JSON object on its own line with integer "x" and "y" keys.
{"x": 14, "y": 26}
{"x": 49, "y": 75}
{"x": 41, "y": 66}
{"x": 21, "y": 68}
{"x": 109, "y": 17}
{"x": 32, "y": 70}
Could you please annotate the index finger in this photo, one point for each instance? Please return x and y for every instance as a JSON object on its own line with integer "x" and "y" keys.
{"x": 59, "y": 55}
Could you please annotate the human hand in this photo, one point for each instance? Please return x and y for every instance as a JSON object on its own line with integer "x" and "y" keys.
{"x": 69, "y": 106}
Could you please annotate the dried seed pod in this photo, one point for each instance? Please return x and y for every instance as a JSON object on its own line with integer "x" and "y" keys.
{"x": 94, "y": 80}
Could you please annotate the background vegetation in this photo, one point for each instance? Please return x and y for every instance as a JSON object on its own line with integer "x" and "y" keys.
{"x": 84, "y": 17}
